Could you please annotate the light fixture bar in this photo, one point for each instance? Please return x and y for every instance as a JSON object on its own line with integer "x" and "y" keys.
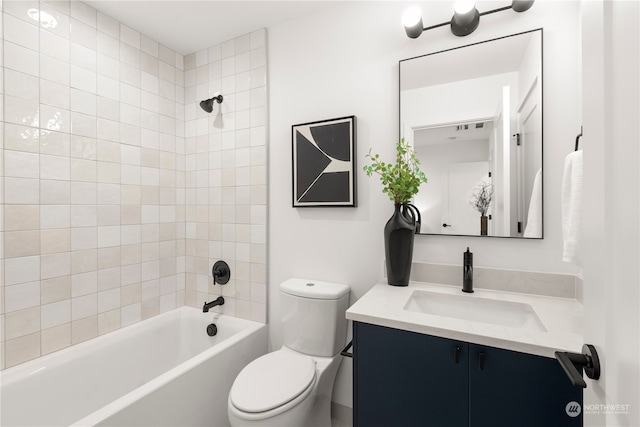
{"x": 500, "y": 9}
{"x": 414, "y": 31}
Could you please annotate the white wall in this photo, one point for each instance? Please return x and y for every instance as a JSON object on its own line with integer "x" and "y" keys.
{"x": 611, "y": 76}
{"x": 344, "y": 61}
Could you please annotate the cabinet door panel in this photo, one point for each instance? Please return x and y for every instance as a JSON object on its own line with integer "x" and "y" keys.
{"x": 407, "y": 379}
{"x": 508, "y": 388}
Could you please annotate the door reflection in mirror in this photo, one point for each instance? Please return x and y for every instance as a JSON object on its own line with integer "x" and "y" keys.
{"x": 474, "y": 116}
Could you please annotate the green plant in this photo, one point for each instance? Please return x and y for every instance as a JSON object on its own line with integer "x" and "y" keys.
{"x": 481, "y": 197}
{"x": 400, "y": 180}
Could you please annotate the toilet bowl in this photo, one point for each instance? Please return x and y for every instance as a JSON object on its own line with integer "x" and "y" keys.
{"x": 293, "y": 385}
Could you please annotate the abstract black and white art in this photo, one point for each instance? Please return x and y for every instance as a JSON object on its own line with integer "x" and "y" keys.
{"x": 324, "y": 163}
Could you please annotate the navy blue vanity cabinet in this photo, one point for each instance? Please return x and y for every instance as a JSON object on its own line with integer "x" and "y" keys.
{"x": 508, "y": 388}
{"x": 409, "y": 379}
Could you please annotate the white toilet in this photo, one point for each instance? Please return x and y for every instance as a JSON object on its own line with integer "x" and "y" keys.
{"x": 293, "y": 386}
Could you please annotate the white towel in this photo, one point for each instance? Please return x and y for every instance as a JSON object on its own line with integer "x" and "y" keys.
{"x": 534, "y": 216}
{"x": 572, "y": 209}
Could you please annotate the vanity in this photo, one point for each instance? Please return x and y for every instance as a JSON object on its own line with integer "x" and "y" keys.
{"x": 427, "y": 354}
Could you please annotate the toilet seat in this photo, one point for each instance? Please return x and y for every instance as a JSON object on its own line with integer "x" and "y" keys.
{"x": 271, "y": 381}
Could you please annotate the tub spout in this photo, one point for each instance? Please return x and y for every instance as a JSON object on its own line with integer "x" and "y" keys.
{"x": 208, "y": 305}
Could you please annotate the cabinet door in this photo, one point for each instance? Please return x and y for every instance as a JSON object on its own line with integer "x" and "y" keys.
{"x": 408, "y": 379}
{"x": 508, "y": 388}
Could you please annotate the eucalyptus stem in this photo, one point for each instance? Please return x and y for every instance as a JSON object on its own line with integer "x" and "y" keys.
{"x": 400, "y": 180}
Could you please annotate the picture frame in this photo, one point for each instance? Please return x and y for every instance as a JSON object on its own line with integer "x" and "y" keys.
{"x": 324, "y": 163}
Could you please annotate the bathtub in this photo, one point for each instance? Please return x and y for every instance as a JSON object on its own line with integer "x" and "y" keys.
{"x": 164, "y": 371}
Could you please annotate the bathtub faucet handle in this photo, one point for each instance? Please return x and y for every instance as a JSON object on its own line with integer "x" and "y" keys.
{"x": 221, "y": 273}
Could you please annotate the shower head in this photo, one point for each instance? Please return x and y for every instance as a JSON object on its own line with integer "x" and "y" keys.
{"x": 207, "y": 104}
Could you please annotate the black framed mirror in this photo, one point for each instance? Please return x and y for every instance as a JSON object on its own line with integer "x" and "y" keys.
{"x": 474, "y": 116}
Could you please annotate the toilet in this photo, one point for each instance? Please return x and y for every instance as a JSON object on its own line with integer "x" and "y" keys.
{"x": 292, "y": 386}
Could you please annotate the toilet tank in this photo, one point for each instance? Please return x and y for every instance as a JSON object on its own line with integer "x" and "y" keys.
{"x": 313, "y": 316}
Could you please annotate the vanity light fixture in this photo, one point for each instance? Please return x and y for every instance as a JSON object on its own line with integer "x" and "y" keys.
{"x": 465, "y": 20}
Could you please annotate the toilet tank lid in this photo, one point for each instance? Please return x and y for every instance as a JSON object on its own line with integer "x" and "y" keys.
{"x": 315, "y": 289}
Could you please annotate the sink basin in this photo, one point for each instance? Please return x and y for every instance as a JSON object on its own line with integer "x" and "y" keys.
{"x": 477, "y": 309}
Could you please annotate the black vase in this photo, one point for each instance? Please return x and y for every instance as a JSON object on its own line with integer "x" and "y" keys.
{"x": 398, "y": 243}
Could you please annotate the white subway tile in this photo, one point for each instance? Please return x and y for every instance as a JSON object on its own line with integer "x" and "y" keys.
{"x": 108, "y": 300}
{"x": 84, "y": 261}
{"x": 109, "y": 215}
{"x": 258, "y": 77}
{"x": 108, "y": 194}
{"x": 21, "y": 296}
{"x": 19, "y": 58}
{"x": 167, "y": 55}
{"x": 107, "y": 44}
{"x": 55, "y": 265}
{"x": 84, "y": 216}
{"x": 131, "y": 314}
{"x": 243, "y": 44}
{"x": 21, "y": 270}
{"x": 20, "y": 32}
{"x": 84, "y": 306}
{"x": 107, "y": 67}
{"x": 83, "y": 170}
{"x": 259, "y": 38}
{"x": 108, "y": 25}
{"x": 54, "y": 45}
{"x": 130, "y": 55}
{"x": 54, "y": 94}
{"x": 82, "y": 79}
{"x": 83, "y": 57}
{"x": 83, "y": 13}
{"x": 129, "y": 36}
{"x": 21, "y": 164}
{"x": 109, "y": 107}
{"x": 83, "y": 102}
{"x": 149, "y": 46}
{"x": 21, "y": 111}
{"x": 108, "y": 236}
{"x": 56, "y": 338}
{"x": 20, "y": 9}
{"x": 84, "y": 238}
{"x": 54, "y": 70}
{"x": 83, "y": 193}
{"x": 109, "y": 172}
{"x": 84, "y": 35}
{"x": 21, "y": 191}
{"x": 55, "y": 167}
{"x": 84, "y": 284}
{"x": 21, "y": 85}
{"x": 54, "y": 118}
{"x": 54, "y": 143}
{"x": 55, "y": 314}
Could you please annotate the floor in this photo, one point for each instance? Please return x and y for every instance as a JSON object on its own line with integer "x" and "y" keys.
{"x": 340, "y": 423}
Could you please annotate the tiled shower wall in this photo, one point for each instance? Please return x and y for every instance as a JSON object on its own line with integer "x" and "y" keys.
{"x": 226, "y": 174}
{"x": 103, "y": 197}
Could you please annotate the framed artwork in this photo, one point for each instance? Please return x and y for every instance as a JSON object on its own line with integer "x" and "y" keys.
{"x": 324, "y": 165}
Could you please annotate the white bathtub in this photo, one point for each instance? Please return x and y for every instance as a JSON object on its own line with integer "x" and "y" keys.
{"x": 165, "y": 371}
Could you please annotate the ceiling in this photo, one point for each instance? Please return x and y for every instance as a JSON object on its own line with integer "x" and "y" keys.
{"x": 187, "y": 26}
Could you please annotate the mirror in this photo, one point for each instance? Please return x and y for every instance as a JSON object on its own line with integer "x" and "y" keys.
{"x": 474, "y": 117}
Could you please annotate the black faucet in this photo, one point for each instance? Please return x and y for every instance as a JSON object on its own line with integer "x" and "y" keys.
{"x": 208, "y": 305}
{"x": 467, "y": 272}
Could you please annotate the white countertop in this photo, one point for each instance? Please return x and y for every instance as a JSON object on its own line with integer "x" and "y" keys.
{"x": 562, "y": 317}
